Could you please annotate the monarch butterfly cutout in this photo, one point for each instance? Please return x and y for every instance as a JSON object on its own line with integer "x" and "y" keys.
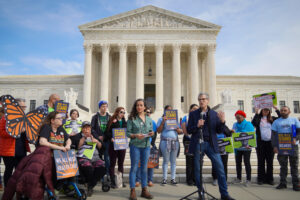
{"x": 16, "y": 119}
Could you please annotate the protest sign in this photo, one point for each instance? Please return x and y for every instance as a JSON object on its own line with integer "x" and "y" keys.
{"x": 244, "y": 140}
{"x": 87, "y": 149}
{"x": 225, "y": 145}
{"x": 62, "y": 108}
{"x": 172, "y": 119}
{"x": 65, "y": 163}
{"x": 153, "y": 161}
{"x": 120, "y": 138}
{"x": 285, "y": 146}
{"x": 266, "y": 100}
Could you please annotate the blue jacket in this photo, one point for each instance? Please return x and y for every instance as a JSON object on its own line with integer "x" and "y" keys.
{"x": 214, "y": 124}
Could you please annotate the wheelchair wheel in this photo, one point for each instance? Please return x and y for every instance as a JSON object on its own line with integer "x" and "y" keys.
{"x": 83, "y": 195}
{"x": 105, "y": 187}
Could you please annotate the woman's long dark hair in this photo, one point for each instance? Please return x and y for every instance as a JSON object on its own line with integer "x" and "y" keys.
{"x": 269, "y": 117}
{"x": 134, "y": 112}
{"x": 165, "y": 108}
{"x": 47, "y": 120}
{"x": 192, "y": 106}
{"x": 115, "y": 115}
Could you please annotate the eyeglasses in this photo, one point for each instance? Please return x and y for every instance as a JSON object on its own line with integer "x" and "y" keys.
{"x": 23, "y": 107}
{"x": 121, "y": 112}
{"x": 203, "y": 99}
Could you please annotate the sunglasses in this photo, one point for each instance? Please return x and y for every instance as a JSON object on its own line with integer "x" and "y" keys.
{"x": 121, "y": 112}
{"x": 148, "y": 112}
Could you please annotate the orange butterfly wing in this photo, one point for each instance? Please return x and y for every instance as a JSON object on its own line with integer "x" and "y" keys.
{"x": 33, "y": 121}
{"x": 14, "y": 116}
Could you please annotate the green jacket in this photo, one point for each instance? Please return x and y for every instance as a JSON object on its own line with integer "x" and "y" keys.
{"x": 70, "y": 125}
{"x": 136, "y": 126}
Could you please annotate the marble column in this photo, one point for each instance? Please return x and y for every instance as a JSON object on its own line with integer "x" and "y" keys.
{"x": 211, "y": 74}
{"x": 194, "y": 75}
{"x": 122, "y": 75}
{"x": 88, "y": 49}
{"x": 159, "y": 83}
{"x": 176, "y": 78}
{"x": 140, "y": 71}
{"x": 105, "y": 72}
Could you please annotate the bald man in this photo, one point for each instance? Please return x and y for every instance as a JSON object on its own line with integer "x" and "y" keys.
{"x": 49, "y": 107}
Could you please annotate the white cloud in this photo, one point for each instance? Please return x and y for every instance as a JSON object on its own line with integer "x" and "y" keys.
{"x": 54, "y": 66}
{"x": 5, "y": 64}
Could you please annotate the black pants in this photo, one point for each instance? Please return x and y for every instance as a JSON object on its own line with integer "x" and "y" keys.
{"x": 238, "y": 160}
{"x": 224, "y": 161}
{"x": 10, "y": 163}
{"x": 189, "y": 162}
{"x": 92, "y": 174}
{"x": 265, "y": 156}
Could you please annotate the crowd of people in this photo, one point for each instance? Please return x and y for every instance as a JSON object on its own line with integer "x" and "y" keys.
{"x": 201, "y": 129}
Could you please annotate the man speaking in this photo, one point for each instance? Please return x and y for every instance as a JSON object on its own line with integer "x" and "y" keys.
{"x": 204, "y": 124}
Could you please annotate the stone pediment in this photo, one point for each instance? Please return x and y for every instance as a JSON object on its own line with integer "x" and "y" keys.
{"x": 149, "y": 17}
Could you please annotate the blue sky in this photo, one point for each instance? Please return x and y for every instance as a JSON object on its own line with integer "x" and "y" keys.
{"x": 257, "y": 37}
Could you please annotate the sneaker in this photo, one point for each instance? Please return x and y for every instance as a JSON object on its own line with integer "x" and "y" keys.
{"x": 281, "y": 186}
{"x": 215, "y": 182}
{"x": 247, "y": 183}
{"x": 237, "y": 181}
{"x": 226, "y": 197}
{"x": 296, "y": 188}
{"x": 173, "y": 182}
{"x": 164, "y": 181}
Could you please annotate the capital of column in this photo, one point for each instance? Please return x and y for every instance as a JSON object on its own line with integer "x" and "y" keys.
{"x": 176, "y": 47}
{"x": 211, "y": 47}
{"x": 88, "y": 48}
{"x": 140, "y": 48}
{"x": 123, "y": 47}
{"x": 105, "y": 47}
{"x": 159, "y": 47}
{"x": 194, "y": 47}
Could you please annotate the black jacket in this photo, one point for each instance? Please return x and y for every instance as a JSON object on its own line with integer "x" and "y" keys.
{"x": 116, "y": 124}
{"x": 256, "y": 123}
{"x": 96, "y": 130}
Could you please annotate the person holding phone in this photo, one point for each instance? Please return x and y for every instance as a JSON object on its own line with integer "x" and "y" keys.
{"x": 169, "y": 147}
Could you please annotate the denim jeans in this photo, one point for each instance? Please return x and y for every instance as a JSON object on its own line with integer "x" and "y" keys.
{"x": 168, "y": 156}
{"x": 150, "y": 175}
{"x": 217, "y": 163}
{"x": 106, "y": 156}
{"x": 136, "y": 155}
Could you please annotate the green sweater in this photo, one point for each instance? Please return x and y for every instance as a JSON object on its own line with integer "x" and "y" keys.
{"x": 136, "y": 126}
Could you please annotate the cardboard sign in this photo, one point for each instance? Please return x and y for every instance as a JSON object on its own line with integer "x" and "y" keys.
{"x": 172, "y": 119}
{"x": 153, "y": 161}
{"x": 120, "y": 138}
{"x": 66, "y": 164}
{"x": 244, "y": 140}
{"x": 285, "y": 146}
{"x": 62, "y": 108}
{"x": 266, "y": 100}
{"x": 225, "y": 145}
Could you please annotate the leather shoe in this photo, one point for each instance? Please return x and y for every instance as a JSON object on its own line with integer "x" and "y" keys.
{"x": 226, "y": 197}
{"x": 281, "y": 186}
{"x": 296, "y": 188}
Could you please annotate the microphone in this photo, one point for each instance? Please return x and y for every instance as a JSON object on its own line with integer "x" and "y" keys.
{"x": 202, "y": 114}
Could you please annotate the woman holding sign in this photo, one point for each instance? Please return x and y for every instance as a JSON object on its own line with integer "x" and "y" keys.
{"x": 263, "y": 121}
{"x": 117, "y": 121}
{"x": 169, "y": 145}
{"x": 139, "y": 129}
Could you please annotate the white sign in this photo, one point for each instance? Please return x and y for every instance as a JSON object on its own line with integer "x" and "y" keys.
{"x": 265, "y": 101}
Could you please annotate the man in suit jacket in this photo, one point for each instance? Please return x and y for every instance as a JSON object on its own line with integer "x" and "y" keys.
{"x": 204, "y": 124}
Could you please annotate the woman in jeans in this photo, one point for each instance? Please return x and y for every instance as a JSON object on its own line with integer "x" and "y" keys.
{"x": 169, "y": 147}
{"x": 262, "y": 121}
{"x": 139, "y": 129}
{"x": 116, "y": 121}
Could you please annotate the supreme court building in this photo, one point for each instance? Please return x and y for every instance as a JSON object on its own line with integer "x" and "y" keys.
{"x": 152, "y": 53}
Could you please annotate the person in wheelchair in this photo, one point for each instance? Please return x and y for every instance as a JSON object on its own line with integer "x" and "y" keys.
{"x": 90, "y": 164}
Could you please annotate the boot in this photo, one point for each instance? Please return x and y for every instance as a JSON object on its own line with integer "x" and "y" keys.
{"x": 132, "y": 194}
{"x": 113, "y": 182}
{"x": 146, "y": 194}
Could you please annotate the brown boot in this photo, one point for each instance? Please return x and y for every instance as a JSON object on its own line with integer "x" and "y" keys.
{"x": 146, "y": 194}
{"x": 132, "y": 194}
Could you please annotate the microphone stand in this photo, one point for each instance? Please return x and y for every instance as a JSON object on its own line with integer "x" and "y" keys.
{"x": 201, "y": 191}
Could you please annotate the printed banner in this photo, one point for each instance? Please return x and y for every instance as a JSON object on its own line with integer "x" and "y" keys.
{"x": 87, "y": 150}
{"x": 266, "y": 100}
{"x": 225, "y": 145}
{"x": 172, "y": 119}
{"x": 120, "y": 138}
{"x": 244, "y": 140}
{"x": 285, "y": 146}
{"x": 62, "y": 108}
{"x": 66, "y": 164}
{"x": 153, "y": 161}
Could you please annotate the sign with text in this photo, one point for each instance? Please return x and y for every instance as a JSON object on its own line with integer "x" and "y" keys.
{"x": 153, "y": 161}
{"x": 62, "y": 108}
{"x": 87, "y": 150}
{"x": 65, "y": 163}
{"x": 285, "y": 146}
{"x": 244, "y": 140}
{"x": 120, "y": 138}
{"x": 172, "y": 119}
{"x": 266, "y": 100}
{"x": 225, "y": 145}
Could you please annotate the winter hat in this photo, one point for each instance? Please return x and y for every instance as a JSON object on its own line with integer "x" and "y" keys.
{"x": 240, "y": 112}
